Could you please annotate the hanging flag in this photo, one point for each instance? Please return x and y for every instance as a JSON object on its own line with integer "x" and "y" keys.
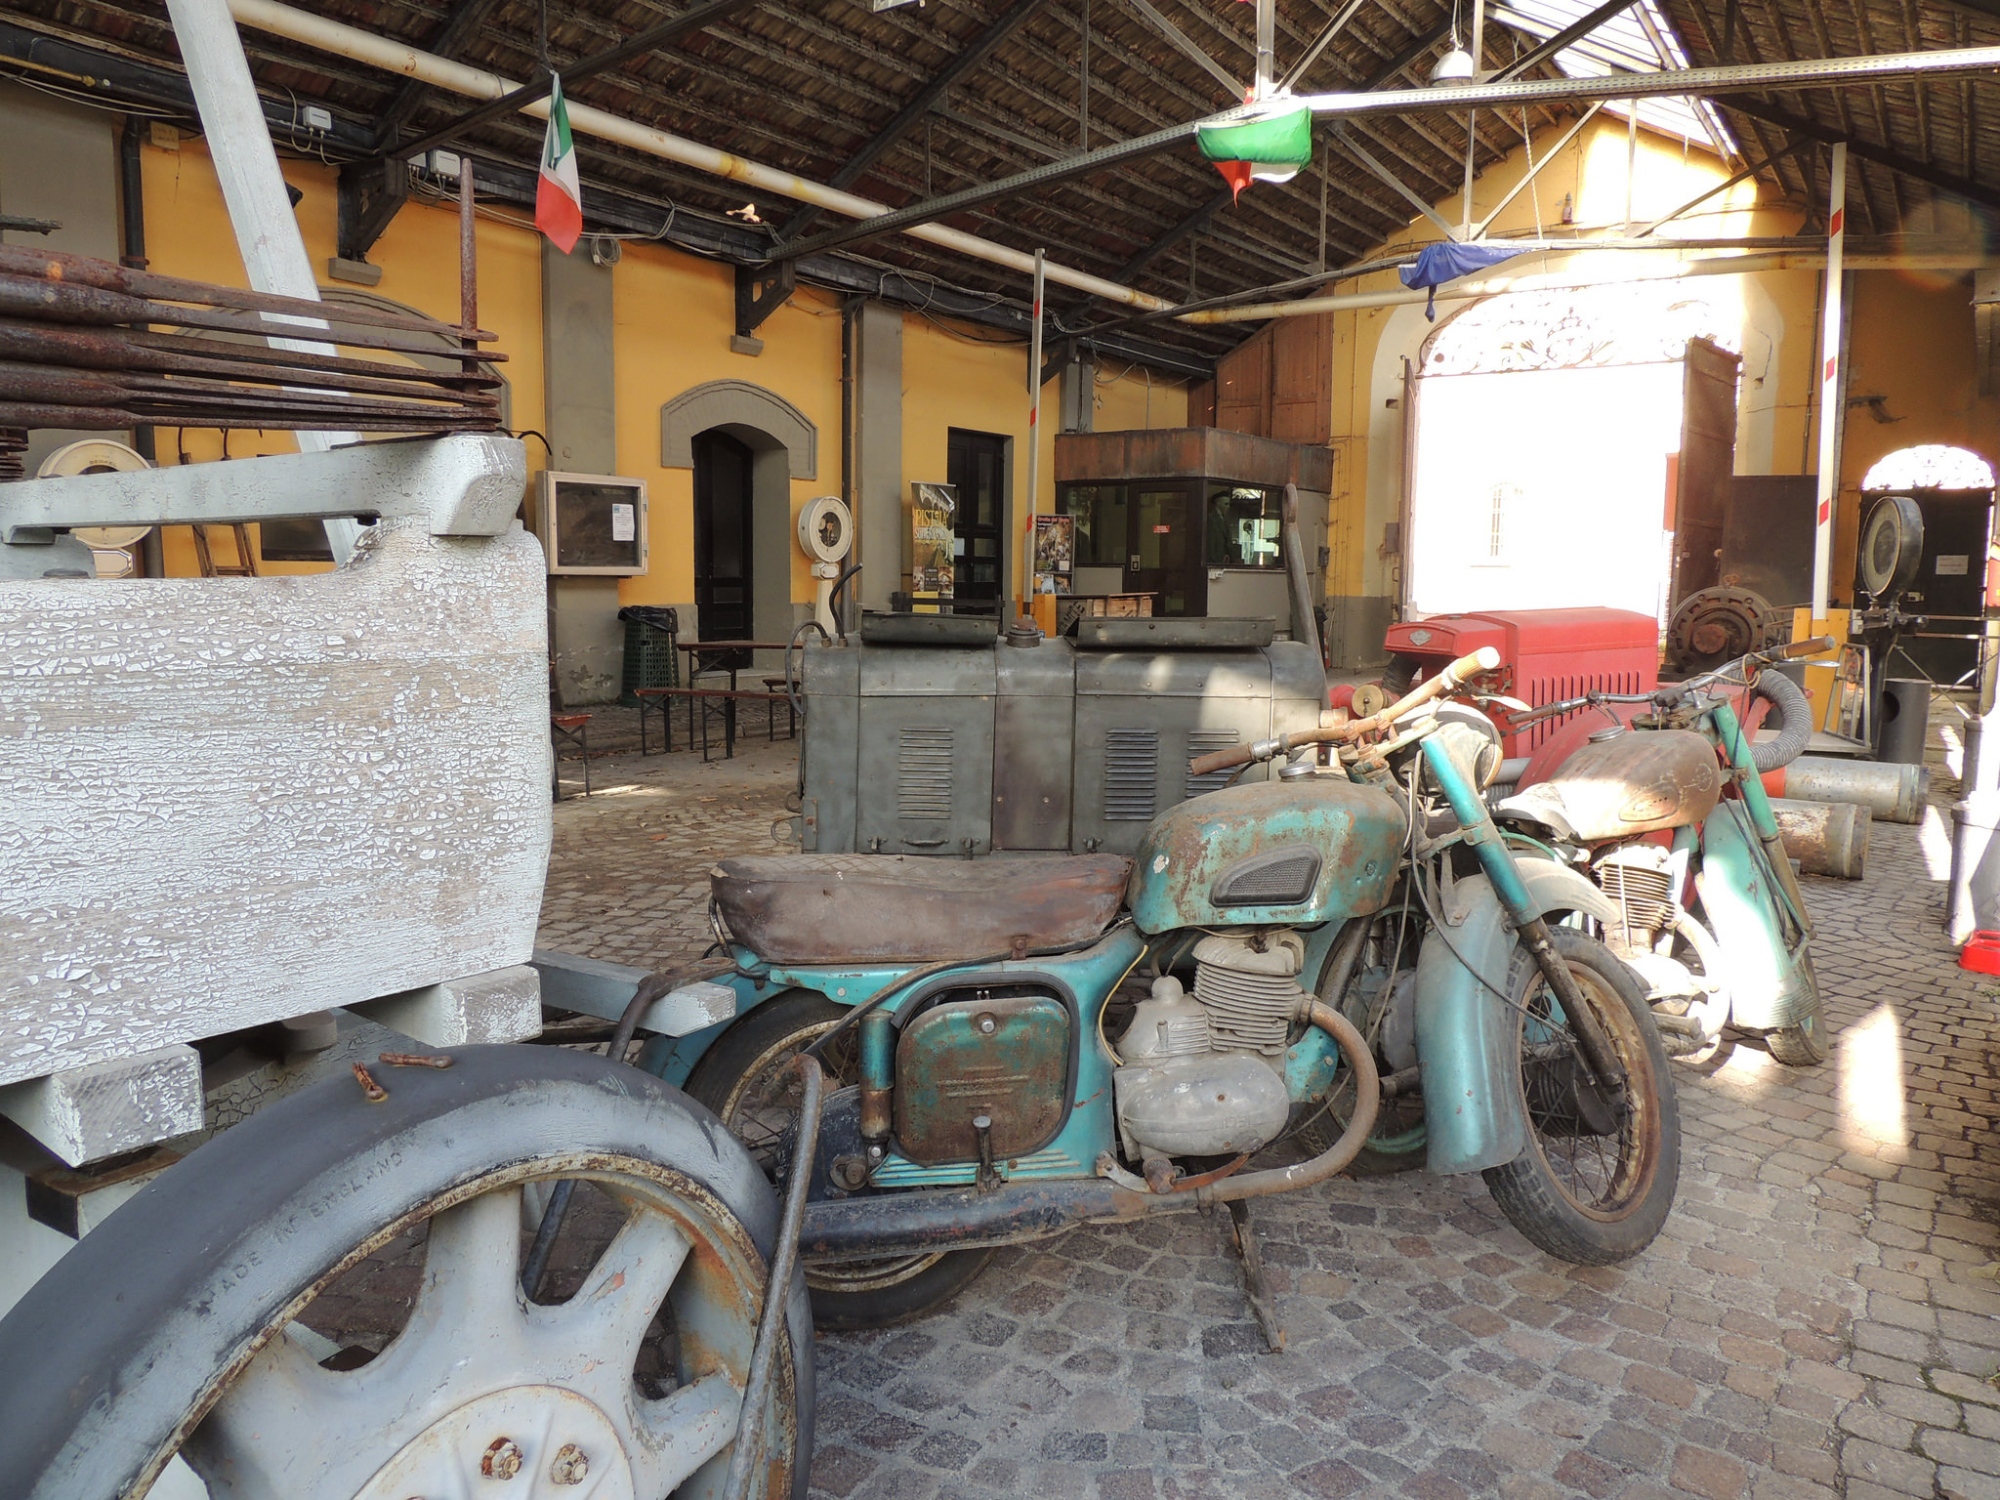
{"x": 1268, "y": 147}
{"x": 1450, "y": 259}
{"x": 558, "y": 196}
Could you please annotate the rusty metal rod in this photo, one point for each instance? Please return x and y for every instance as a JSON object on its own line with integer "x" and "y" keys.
{"x": 14, "y": 414}
{"x": 784, "y": 1255}
{"x": 120, "y": 348}
{"x": 63, "y": 384}
{"x": 57, "y": 302}
{"x": 83, "y": 270}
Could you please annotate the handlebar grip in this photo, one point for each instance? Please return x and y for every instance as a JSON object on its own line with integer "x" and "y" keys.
{"x": 1485, "y": 659}
{"x": 1817, "y": 645}
{"x": 1222, "y": 760}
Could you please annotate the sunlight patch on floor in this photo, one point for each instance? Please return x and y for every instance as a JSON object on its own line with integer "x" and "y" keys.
{"x": 1934, "y": 840}
{"x": 1872, "y": 1085}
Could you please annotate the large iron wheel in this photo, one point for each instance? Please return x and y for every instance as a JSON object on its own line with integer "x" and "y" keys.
{"x": 746, "y": 1077}
{"x": 1600, "y": 1172}
{"x": 191, "y": 1330}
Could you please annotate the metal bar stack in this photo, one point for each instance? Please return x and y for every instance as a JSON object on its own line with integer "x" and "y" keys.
{"x": 89, "y": 344}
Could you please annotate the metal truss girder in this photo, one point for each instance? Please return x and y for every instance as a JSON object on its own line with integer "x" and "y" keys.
{"x": 761, "y": 291}
{"x": 1881, "y": 156}
{"x": 453, "y": 35}
{"x": 368, "y": 195}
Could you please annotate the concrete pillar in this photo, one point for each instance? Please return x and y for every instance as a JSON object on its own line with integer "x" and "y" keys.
{"x": 581, "y": 395}
{"x": 878, "y": 453}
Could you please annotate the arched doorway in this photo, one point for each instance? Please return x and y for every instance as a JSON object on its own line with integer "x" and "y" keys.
{"x": 1550, "y": 429}
{"x": 1953, "y": 487}
{"x": 724, "y": 551}
{"x": 746, "y": 446}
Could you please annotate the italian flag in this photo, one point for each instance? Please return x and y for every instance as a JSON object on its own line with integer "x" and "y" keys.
{"x": 558, "y": 197}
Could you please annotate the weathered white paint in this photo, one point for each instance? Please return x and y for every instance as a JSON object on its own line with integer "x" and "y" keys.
{"x": 467, "y": 484}
{"x": 228, "y": 801}
{"x": 595, "y": 987}
{"x": 504, "y": 1006}
{"x": 87, "y": 1113}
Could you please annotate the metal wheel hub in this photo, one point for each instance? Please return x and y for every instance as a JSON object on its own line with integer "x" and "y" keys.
{"x": 543, "y": 1442}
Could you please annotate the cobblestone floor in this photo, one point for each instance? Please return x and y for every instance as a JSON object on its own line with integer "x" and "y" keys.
{"x": 1818, "y": 1318}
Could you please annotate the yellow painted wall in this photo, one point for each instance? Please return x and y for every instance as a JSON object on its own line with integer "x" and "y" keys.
{"x": 954, "y": 377}
{"x": 673, "y": 316}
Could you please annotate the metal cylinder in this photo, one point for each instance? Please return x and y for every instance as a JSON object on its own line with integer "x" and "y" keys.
{"x": 878, "y": 1073}
{"x": 1895, "y": 793}
{"x": 1973, "y": 899}
{"x": 1906, "y": 707}
{"x": 1826, "y": 838}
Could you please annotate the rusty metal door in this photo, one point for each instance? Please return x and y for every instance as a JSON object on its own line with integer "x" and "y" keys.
{"x": 1707, "y": 461}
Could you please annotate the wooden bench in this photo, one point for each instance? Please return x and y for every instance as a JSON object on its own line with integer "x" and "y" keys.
{"x": 780, "y": 686}
{"x": 698, "y": 699}
{"x": 575, "y": 729}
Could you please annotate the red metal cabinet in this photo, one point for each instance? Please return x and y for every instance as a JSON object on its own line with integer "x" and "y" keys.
{"x": 1545, "y": 654}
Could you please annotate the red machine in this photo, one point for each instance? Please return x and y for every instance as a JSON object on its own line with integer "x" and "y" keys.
{"x": 1548, "y": 654}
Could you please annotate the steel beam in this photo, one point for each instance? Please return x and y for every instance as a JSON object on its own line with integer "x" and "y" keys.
{"x": 1740, "y": 78}
{"x": 1946, "y": 182}
{"x": 450, "y": 40}
{"x": 921, "y": 103}
{"x": 665, "y": 34}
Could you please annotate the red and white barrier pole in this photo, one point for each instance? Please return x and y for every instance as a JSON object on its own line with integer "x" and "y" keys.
{"x": 1833, "y": 381}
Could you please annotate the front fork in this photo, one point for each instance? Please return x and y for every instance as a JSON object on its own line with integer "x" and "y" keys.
{"x": 1483, "y": 838}
{"x": 1750, "y": 785}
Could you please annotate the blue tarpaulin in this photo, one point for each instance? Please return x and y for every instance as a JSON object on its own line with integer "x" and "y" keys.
{"x": 1449, "y": 261}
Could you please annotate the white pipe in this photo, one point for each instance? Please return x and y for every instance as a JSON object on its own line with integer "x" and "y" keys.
{"x": 1832, "y": 384}
{"x": 1472, "y": 291}
{"x": 253, "y": 190}
{"x": 365, "y": 47}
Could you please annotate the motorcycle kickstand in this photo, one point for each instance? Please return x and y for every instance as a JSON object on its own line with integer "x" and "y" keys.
{"x": 1263, "y": 1306}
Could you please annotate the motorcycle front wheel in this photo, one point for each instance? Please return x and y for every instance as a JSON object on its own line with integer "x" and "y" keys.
{"x": 746, "y": 1077}
{"x": 1599, "y": 1175}
{"x": 1803, "y": 1044}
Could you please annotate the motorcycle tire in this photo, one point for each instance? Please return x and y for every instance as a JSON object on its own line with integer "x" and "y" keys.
{"x": 1564, "y": 1192}
{"x": 1803, "y": 1044}
{"x": 746, "y": 1079}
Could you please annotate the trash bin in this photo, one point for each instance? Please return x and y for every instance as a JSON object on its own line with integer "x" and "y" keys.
{"x": 651, "y": 659}
{"x": 1906, "y": 708}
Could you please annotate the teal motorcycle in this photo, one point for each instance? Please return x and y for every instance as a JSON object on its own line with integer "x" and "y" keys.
{"x": 1342, "y": 965}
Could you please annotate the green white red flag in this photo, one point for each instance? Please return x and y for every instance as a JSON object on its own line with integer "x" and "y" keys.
{"x": 558, "y": 195}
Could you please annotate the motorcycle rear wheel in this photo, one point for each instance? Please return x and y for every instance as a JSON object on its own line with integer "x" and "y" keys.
{"x": 746, "y": 1078}
{"x": 1588, "y": 1197}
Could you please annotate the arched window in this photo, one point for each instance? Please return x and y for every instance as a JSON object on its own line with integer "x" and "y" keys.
{"x": 1930, "y": 466}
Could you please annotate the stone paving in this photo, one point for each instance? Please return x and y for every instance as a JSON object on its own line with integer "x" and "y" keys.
{"x": 1817, "y": 1319}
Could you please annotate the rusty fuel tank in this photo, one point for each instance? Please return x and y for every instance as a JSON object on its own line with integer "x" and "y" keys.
{"x": 1628, "y": 781}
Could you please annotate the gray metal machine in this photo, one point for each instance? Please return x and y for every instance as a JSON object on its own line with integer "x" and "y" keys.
{"x": 929, "y": 735}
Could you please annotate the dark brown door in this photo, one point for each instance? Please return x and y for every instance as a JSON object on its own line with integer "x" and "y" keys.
{"x": 722, "y": 537}
{"x": 1167, "y": 557}
{"x": 976, "y": 467}
{"x": 1707, "y": 460}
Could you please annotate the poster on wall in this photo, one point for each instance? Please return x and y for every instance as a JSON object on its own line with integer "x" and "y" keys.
{"x": 932, "y": 539}
{"x": 1055, "y": 553}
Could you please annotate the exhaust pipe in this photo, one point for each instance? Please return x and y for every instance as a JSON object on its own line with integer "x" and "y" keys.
{"x": 962, "y": 1218}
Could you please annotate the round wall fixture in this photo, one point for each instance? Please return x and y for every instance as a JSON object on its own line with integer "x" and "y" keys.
{"x": 1892, "y": 545}
{"x": 97, "y": 456}
{"x": 826, "y": 529}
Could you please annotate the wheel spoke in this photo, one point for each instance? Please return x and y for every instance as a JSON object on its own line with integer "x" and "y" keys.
{"x": 609, "y": 1314}
{"x": 680, "y": 1432}
{"x": 261, "y": 1442}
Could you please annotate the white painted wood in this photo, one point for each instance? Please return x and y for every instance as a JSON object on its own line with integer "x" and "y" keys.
{"x": 504, "y": 1006}
{"x": 595, "y": 987}
{"x": 466, "y": 484}
{"x": 228, "y": 801}
{"x": 87, "y": 1113}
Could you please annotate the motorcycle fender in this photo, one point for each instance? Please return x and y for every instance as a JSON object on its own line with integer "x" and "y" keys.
{"x": 1769, "y": 986}
{"x": 1467, "y": 1039}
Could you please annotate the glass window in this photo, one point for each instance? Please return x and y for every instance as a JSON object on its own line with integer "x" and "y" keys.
{"x": 1099, "y": 510}
{"x": 1243, "y": 527}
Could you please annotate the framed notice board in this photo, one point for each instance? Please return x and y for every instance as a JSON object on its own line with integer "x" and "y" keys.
{"x": 592, "y": 523}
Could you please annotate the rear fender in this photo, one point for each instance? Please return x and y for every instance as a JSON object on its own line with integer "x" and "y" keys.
{"x": 1466, "y": 1037}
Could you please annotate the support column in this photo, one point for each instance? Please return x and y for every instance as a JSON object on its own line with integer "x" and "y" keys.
{"x": 580, "y": 393}
{"x": 878, "y": 451}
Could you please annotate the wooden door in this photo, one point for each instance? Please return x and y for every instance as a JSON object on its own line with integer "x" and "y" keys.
{"x": 722, "y": 582}
{"x": 1707, "y": 462}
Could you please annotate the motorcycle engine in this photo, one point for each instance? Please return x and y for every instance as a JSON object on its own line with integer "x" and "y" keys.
{"x": 1203, "y": 1074}
{"x": 1639, "y": 877}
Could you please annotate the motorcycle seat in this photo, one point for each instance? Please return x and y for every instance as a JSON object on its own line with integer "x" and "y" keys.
{"x": 893, "y": 908}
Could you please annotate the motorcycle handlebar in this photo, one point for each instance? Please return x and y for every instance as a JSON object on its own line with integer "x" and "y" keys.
{"x": 1445, "y": 683}
{"x": 1817, "y": 645}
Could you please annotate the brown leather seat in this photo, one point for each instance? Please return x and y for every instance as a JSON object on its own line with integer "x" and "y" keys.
{"x": 892, "y": 908}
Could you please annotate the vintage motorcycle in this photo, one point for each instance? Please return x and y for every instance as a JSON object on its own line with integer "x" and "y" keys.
{"x": 1665, "y": 807}
{"x": 1018, "y": 1045}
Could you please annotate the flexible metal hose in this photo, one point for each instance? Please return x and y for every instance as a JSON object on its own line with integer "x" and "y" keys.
{"x": 1794, "y": 716}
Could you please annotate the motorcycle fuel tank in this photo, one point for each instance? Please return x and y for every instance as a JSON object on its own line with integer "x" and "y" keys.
{"x": 1309, "y": 850}
{"x": 1631, "y": 782}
